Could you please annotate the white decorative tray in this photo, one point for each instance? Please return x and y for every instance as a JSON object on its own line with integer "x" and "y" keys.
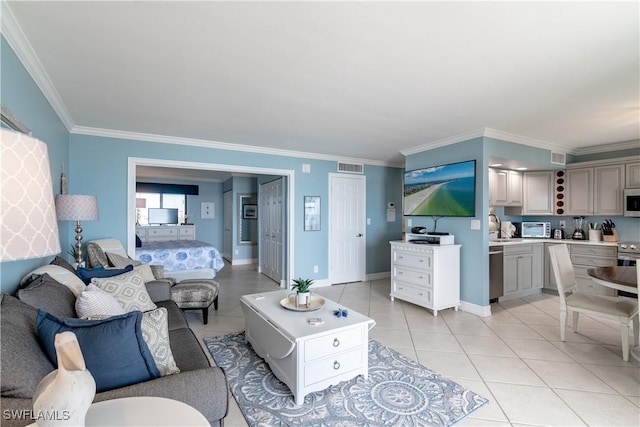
{"x": 315, "y": 303}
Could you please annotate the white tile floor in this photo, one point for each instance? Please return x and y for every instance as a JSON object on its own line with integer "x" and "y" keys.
{"x": 514, "y": 358}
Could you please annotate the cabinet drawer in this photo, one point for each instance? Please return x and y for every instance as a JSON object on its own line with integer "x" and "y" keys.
{"x": 517, "y": 250}
{"x": 601, "y": 251}
{"x": 588, "y": 286}
{"x": 591, "y": 261}
{"x": 424, "y": 278}
{"x": 163, "y": 232}
{"x": 187, "y": 233}
{"x": 416, "y": 294}
{"x": 412, "y": 260}
{"x": 327, "y": 345}
{"x": 330, "y": 367}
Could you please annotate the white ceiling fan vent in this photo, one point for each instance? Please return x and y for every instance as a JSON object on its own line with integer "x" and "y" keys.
{"x": 351, "y": 167}
{"x": 558, "y": 158}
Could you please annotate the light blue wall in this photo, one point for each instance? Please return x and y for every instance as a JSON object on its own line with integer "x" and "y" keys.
{"x": 22, "y": 96}
{"x": 103, "y": 163}
{"x": 474, "y": 253}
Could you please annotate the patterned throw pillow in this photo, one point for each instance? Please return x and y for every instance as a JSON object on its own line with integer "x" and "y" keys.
{"x": 94, "y": 303}
{"x": 128, "y": 289}
{"x": 155, "y": 331}
{"x": 120, "y": 261}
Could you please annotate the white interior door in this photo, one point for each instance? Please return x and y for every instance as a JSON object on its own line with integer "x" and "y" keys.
{"x": 346, "y": 228}
{"x": 271, "y": 245}
{"x": 227, "y": 223}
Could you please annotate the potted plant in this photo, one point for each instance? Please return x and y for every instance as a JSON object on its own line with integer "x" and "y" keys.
{"x": 302, "y": 286}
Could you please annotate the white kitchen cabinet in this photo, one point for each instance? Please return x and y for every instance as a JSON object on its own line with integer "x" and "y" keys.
{"x": 579, "y": 191}
{"x": 632, "y": 175}
{"x": 522, "y": 269}
{"x": 595, "y": 191}
{"x": 426, "y": 275}
{"x": 505, "y": 187}
{"x": 538, "y": 193}
{"x": 163, "y": 233}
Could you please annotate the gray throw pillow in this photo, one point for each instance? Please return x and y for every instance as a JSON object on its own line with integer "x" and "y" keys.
{"x": 23, "y": 363}
{"x": 155, "y": 331}
{"x": 43, "y": 291}
{"x": 128, "y": 289}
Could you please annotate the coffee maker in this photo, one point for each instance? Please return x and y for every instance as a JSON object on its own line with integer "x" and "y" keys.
{"x": 578, "y": 233}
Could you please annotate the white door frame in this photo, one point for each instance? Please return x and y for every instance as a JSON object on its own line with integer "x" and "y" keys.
{"x": 134, "y": 162}
{"x": 363, "y": 178}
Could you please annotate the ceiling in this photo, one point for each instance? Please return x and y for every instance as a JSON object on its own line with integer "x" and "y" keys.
{"x": 356, "y": 80}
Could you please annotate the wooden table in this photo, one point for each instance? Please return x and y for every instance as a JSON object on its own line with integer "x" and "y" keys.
{"x": 623, "y": 279}
{"x": 616, "y": 277}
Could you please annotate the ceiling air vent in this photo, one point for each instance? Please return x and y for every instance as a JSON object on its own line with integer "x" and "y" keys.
{"x": 558, "y": 158}
{"x": 351, "y": 167}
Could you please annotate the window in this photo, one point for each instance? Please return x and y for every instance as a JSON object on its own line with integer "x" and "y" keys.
{"x": 161, "y": 200}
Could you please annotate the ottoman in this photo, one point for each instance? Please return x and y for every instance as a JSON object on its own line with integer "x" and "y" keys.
{"x": 196, "y": 294}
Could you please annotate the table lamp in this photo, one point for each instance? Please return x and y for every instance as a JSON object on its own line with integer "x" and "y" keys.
{"x": 28, "y": 227}
{"x": 77, "y": 207}
{"x": 140, "y": 204}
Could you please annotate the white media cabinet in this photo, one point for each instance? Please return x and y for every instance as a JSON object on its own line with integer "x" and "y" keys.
{"x": 163, "y": 233}
{"x": 426, "y": 275}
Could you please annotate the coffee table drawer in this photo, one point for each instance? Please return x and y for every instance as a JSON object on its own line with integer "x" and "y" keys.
{"x": 324, "y": 346}
{"x": 331, "y": 367}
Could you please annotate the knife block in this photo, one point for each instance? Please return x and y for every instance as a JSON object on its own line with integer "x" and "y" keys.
{"x": 611, "y": 237}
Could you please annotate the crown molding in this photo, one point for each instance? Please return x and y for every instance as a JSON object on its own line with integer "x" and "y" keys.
{"x": 487, "y": 133}
{"x": 148, "y": 137}
{"x": 619, "y": 146}
{"x": 16, "y": 38}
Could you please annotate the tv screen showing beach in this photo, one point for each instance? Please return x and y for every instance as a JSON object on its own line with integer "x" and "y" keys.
{"x": 446, "y": 190}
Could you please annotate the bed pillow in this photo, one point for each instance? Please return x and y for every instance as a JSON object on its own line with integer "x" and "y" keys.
{"x": 138, "y": 242}
{"x": 87, "y": 274}
{"x": 128, "y": 289}
{"x": 155, "y": 330}
{"x": 96, "y": 303}
{"x": 114, "y": 349}
{"x": 60, "y": 274}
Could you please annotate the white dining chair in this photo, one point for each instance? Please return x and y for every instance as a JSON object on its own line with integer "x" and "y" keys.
{"x": 624, "y": 310}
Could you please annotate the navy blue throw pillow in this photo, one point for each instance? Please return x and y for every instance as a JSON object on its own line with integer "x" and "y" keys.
{"x": 86, "y": 274}
{"x": 138, "y": 242}
{"x": 114, "y": 350}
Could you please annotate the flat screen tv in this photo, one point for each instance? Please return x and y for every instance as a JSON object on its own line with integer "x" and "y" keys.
{"x": 445, "y": 190}
{"x": 163, "y": 216}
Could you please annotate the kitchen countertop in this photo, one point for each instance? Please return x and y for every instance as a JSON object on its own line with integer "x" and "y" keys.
{"x": 510, "y": 242}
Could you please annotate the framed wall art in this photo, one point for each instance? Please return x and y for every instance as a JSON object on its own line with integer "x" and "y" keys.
{"x": 311, "y": 213}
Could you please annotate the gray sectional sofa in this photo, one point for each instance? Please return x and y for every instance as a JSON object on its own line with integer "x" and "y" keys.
{"x": 24, "y": 363}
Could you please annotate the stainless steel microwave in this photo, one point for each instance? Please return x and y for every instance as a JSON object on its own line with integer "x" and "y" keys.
{"x": 632, "y": 202}
{"x": 537, "y": 230}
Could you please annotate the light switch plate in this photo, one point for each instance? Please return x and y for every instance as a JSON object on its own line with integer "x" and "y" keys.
{"x": 475, "y": 224}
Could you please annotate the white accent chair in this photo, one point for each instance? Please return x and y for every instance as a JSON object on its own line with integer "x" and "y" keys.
{"x": 624, "y": 310}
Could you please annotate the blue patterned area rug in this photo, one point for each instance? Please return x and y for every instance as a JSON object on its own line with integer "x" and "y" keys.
{"x": 398, "y": 392}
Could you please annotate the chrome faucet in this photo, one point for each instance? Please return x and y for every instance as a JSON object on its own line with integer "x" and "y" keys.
{"x": 499, "y": 224}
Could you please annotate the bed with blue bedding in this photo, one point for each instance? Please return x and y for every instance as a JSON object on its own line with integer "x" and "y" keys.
{"x": 182, "y": 258}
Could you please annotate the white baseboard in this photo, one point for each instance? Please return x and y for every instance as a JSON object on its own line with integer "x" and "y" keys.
{"x": 478, "y": 310}
{"x": 245, "y": 261}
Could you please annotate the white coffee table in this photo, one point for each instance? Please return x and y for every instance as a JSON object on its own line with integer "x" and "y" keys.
{"x": 307, "y": 357}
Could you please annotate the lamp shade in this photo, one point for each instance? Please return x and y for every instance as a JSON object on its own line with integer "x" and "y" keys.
{"x": 28, "y": 227}
{"x": 76, "y": 207}
{"x": 141, "y": 203}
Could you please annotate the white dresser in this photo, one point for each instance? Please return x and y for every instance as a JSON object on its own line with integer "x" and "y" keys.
{"x": 307, "y": 357}
{"x": 426, "y": 275}
{"x": 163, "y": 233}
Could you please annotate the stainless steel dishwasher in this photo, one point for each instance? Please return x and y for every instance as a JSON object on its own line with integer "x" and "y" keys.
{"x": 496, "y": 286}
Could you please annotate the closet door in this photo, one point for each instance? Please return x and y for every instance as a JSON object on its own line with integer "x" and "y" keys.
{"x": 271, "y": 201}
